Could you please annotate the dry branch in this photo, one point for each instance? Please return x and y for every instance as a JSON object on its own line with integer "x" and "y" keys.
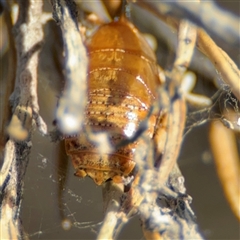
{"x": 70, "y": 112}
{"x": 28, "y": 37}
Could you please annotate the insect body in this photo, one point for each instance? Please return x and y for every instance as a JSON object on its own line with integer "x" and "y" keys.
{"x": 122, "y": 82}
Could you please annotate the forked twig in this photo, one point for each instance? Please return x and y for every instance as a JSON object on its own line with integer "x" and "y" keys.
{"x": 226, "y": 68}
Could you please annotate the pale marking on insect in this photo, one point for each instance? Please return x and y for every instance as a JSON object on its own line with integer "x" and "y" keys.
{"x": 129, "y": 115}
{"x": 122, "y": 70}
{"x": 96, "y": 93}
{"x": 129, "y": 129}
{"x": 132, "y": 107}
{"x": 122, "y": 51}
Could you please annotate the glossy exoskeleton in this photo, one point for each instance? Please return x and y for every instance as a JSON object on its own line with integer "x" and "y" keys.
{"x": 122, "y": 80}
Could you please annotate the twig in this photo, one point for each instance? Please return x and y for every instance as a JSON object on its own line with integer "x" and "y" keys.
{"x": 70, "y": 112}
{"x": 176, "y": 124}
{"x": 164, "y": 214}
{"x": 16, "y": 157}
{"x": 227, "y": 29}
{"x": 176, "y": 180}
{"x": 187, "y": 35}
{"x": 151, "y": 182}
{"x": 148, "y": 182}
{"x": 28, "y": 37}
{"x": 176, "y": 107}
{"x": 174, "y": 219}
{"x": 227, "y": 69}
{"x": 112, "y": 194}
{"x": 10, "y": 77}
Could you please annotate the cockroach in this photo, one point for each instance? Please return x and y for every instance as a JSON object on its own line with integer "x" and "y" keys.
{"x": 122, "y": 80}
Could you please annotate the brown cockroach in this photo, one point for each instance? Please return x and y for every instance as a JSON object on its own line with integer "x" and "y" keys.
{"x": 123, "y": 77}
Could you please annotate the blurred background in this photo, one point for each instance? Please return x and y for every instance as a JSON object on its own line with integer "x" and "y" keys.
{"x": 82, "y": 199}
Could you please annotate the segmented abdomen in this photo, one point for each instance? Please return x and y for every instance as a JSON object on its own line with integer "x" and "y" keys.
{"x": 122, "y": 82}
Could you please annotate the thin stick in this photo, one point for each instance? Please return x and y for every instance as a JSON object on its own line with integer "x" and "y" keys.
{"x": 177, "y": 106}
{"x": 176, "y": 125}
{"x": 112, "y": 194}
{"x": 187, "y": 35}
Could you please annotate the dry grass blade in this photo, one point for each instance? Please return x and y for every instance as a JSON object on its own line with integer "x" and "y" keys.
{"x": 176, "y": 123}
{"x": 227, "y": 163}
{"x": 69, "y": 113}
{"x": 227, "y": 69}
